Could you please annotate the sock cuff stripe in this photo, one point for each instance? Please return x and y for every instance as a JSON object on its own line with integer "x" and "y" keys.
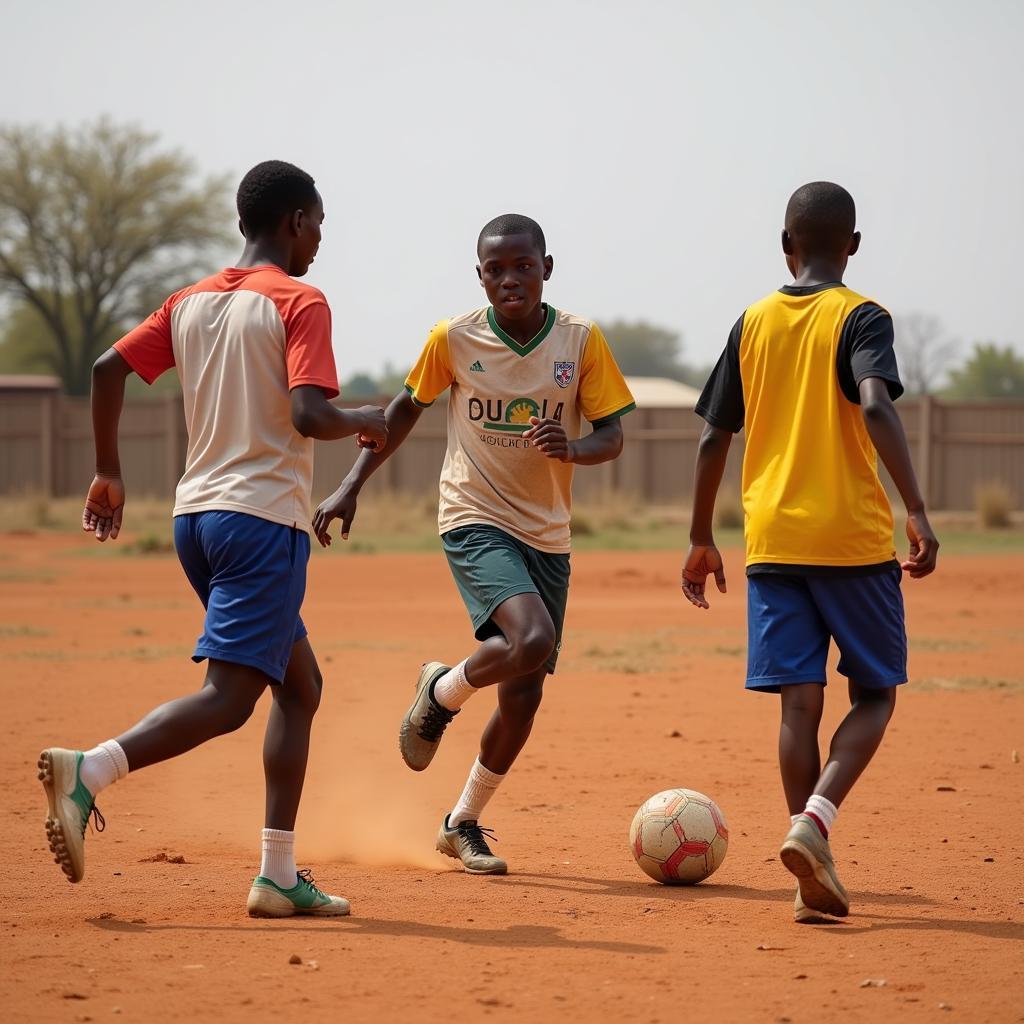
{"x": 485, "y": 777}
{"x": 822, "y": 802}
{"x": 824, "y": 808}
{"x": 277, "y": 835}
{"x": 117, "y": 756}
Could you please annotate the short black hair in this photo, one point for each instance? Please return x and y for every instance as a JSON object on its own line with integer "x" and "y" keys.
{"x": 821, "y": 217}
{"x": 513, "y": 224}
{"x": 270, "y": 191}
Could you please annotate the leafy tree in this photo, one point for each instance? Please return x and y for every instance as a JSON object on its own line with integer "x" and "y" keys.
{"x": 924, "y": 350}
{"x": 360, "y": 385}
{"x": 645, "y": 350}
{"x": 25, "y": 341}
{"x": 990, "y": 372}
{"x": 96, "y": 226}
{"x": 25, "y": 346}
{"x": 392, "y": 379}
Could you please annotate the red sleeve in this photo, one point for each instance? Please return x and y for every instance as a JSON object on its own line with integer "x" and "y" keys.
{"x": 148, "y": 349}
{"x": 307, "y": 351}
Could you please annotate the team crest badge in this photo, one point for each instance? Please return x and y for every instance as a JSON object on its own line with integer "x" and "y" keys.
{"x": 564, "y": 373}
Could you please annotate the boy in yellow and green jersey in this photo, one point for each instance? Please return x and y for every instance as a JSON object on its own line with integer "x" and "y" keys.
{"x": 810, "y": 375}
{"x": 523, "y": 377}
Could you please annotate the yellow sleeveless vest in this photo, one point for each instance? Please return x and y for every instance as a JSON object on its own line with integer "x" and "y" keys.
{"x": 811, "y": 493}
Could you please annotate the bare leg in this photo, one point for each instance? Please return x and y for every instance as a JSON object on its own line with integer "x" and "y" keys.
{"x": 510, "y": 725}
{"x": 286, "y": 744}
{"x": 856, "y": 740}
{"x": 515, "y": 659}
{"x": 526, "y": 642}
{"x": 223, "y": 704}
{"x": 799, "y": 758}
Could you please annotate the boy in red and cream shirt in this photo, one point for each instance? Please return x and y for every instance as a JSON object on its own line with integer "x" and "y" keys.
{"x": 252, "y": 347}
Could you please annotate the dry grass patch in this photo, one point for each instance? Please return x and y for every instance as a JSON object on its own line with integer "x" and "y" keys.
{"x": 993, "y": 504}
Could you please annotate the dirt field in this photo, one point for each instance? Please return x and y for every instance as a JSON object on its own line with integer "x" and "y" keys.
{"x": 931, "y": 844}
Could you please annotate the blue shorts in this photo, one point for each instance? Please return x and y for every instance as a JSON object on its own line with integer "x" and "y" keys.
{"x": 250, "y": 575}
{"x": 791, "y": 618}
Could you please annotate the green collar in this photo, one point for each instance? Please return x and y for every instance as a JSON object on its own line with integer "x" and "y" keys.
{"x": 523, "y": 350}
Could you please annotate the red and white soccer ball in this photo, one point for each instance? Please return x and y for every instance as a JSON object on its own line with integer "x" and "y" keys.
{"x": 679, "y": 837}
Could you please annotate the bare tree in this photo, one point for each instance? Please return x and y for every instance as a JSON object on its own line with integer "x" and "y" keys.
{"x": 925, "y": 351}
{"x": 95, "y": 227}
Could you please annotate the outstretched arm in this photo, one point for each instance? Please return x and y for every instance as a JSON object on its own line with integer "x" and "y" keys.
{"x": 400, "y": 417}
{"x": 314, "y": 416}
{"x": 886, "y": 432}
{"x": 703, "y": 557}
{"x": 104, "y": 504}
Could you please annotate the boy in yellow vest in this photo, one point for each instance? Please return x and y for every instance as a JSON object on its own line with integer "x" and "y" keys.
{"x": 523, "y": 377}
{"x": 810, "y": 374}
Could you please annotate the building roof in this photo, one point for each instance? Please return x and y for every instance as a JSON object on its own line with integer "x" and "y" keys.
{"x": 662, "y": 393}
{"x": 29, "y": 382}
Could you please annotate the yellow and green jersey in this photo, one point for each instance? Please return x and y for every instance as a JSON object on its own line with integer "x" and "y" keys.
{"x": 789, "y": 377}
{"x": 491, "y": 474}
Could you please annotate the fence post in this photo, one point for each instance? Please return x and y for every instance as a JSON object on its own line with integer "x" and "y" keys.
{"x": 172, "y": 445}
{"x": 607, "y": 485}
{"x": 47, "y": 446}
{"x": 390, "y": 474}
{"x": 925, "y": 409}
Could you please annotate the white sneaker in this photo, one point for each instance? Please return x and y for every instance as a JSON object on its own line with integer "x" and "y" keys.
{"x": 467, "y": 842}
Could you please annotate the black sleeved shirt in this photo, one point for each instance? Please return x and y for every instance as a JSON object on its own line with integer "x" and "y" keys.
{"x": 865, "y": 350}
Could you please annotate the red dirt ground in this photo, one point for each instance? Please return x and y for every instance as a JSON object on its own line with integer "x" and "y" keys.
{"x": 930, "y": 844}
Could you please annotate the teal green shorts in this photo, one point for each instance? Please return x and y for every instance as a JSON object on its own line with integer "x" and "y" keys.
{"x": 490, "y": 566}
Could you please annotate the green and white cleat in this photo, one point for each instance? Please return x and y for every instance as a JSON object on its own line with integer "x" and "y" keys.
{"x": 267, "y": 899}
{"x": 467, "y": 842}
{"x": 806, "y": 854}
{"x": 425, "y": 722}
{"x": 70, "y": 805}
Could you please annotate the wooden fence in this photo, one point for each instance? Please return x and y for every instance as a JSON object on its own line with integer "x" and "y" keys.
{"x": 46, "y": 448}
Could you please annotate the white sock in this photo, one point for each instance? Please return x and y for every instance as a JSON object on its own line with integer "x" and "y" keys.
{"x": 824, "y": 810}
{"x": 278, "y": 862}
{"x": 103, "y": 765}
{"x": 480, "y": 787}
{"x": 452, "y": 690}
{"x": 792, "y": 818}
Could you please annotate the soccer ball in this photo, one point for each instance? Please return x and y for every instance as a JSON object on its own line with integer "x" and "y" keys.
{"x": 679, "y": 837}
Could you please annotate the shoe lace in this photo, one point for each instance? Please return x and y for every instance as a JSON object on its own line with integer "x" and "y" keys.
{"x": 435, "y": 721}
{"x": 474, "y": 837}
{"x": 99, "y": 823}
{"x": 306, "y": 876}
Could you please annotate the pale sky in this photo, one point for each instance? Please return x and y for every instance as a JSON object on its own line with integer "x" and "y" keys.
{"x": 656, "y": 142}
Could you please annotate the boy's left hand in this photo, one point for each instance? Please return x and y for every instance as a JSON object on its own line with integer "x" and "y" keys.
{"x": 104, "y": 507}
{"x": 701, "y": 561}
{"x": 549, "y": 437}
{"x": 924, "y": 546}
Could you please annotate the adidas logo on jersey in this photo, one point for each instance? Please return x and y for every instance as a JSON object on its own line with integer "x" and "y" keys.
{"x": 478, "y": 367}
